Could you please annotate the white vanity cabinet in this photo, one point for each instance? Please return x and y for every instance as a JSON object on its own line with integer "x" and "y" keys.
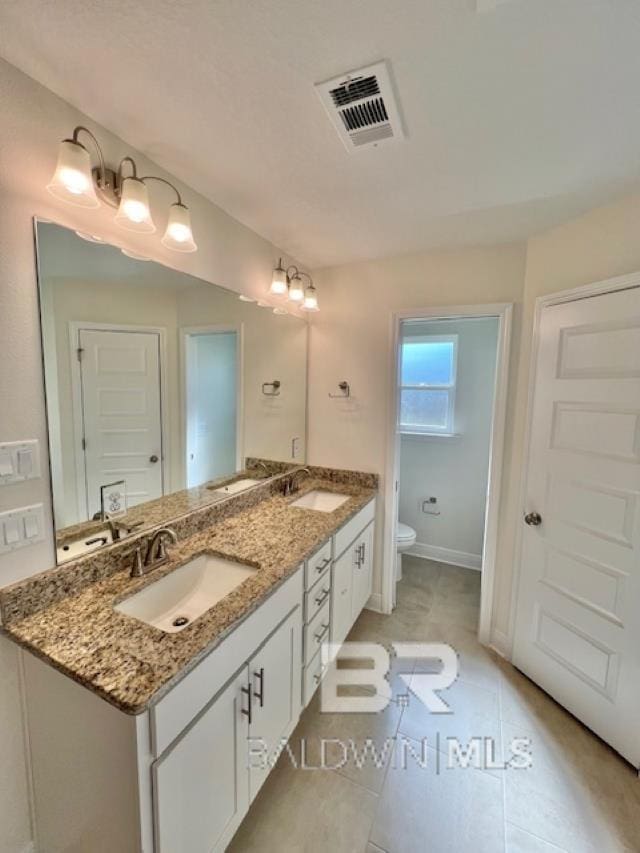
{"x": 205, "y": 782}
{"x": 352, "y": 572}
{"x": 181, "y": 775}
{"x": 347, "y": 588}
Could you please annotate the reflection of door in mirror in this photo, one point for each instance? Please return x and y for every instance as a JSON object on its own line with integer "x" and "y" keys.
{"x": 212, "y": 393}
{"x": 117, "y": 414}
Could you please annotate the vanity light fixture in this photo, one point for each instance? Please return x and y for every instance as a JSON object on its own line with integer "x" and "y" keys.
{"x": 76, "y": 182}
{"x": 288, "y": 282}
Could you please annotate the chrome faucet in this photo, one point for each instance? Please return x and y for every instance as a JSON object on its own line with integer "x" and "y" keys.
{"x": 291, "y": 485}
{"x": 156, "y": 552}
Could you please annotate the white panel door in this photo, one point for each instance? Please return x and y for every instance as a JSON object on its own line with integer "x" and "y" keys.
{"x": 201, "y": 787}
{"x": 578, "y": 617}
{"x": 275, "y": 679}
{"x": 121, "y": 409}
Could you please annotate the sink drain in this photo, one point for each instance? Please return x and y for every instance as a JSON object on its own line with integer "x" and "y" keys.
{"x": 180, "y": 621}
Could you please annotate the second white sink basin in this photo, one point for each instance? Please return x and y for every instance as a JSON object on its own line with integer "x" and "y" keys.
{"x": 321, "y": 501}
{"x": 174, "y": 601}
{"x": 238, "y": 486}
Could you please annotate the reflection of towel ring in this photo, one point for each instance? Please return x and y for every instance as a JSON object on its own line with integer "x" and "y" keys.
{"x": 346, "y": 391}
{"x": 275, "y": 385}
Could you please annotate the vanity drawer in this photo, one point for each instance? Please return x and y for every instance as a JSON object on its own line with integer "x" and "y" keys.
{"x": 316, "y": 597}
{"x": 317, "y": 564}
{"x": 317, "y": 631}
{"x": 345, "y": 536}
{"x": 312, "y": 678}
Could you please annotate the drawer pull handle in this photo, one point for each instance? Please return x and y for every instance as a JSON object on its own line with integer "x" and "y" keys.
{"x": 322, "y": 633}
{"x": 316, "y": 678}
{"x": 247, "y": 712}
{"x": 323, "y": 565}
{"x": 322, "y": 598}
{"x": 260, "y": 694}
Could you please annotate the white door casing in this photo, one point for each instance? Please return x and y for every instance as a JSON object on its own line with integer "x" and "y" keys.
{"x": 121, "y": 413}
{"x": 577, "y": 623}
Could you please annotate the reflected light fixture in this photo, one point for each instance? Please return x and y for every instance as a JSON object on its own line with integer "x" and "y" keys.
{"x": 288, "y": 282}
{"x": 310, "y": 301}
{"x": 76, "y": 182}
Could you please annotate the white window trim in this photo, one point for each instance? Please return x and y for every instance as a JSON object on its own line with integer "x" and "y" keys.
{"x": 448, "y": 430}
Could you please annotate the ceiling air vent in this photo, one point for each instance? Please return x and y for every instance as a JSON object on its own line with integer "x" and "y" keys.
{"x": 362, "y": 107}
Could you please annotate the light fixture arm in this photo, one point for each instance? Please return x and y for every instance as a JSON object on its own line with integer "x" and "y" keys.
{"x": 163, "y": 181}
{"x": 102, "y": 171}
{"x": 297, "y": 273}
{"x": 134, "y": 172}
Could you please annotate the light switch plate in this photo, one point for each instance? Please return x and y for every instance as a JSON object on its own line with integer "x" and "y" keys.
{"x": 19, "y": 460}
{"x": 21, "y": 527}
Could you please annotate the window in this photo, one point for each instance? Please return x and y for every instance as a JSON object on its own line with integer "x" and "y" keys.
{"x": 428, "y": 383}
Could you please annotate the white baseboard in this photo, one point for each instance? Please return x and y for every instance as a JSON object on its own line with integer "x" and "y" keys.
{"x": 375, "y": 602}
{"x": 447, "y": 555}
{"x": 500, "y": 643}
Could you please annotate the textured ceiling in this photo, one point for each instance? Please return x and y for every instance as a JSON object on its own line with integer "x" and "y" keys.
{"x": 517, "y": 118}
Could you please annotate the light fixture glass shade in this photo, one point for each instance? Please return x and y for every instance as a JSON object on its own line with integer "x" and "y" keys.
{"x": 72, "y": 180}
{"x": 279, "y": 281}
{"x": 296, "y": 289}
{"x": 134, "y": 213}
{"x": 178, "y": 235}
{"x": 310, "y": 302}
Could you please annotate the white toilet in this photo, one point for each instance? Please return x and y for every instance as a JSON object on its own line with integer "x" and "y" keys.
{"x": 405, "y": 539}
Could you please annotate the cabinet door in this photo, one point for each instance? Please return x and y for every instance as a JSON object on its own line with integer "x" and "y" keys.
{"x": 275, "y": 673}
{"x": 363, "y": 571}
{"x": 201, "y": 786}
{"x": 341, "y": 594}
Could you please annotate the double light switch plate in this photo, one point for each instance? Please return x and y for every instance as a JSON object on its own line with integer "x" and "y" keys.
{"x": 19, "y": 460}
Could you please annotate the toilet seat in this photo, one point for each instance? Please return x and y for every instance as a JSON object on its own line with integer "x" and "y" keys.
{"x": 404, "y": 533}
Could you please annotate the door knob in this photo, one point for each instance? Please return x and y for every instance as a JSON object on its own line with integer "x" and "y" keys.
{"x": 533, "y": 518}
{"x": 153, "y": 458}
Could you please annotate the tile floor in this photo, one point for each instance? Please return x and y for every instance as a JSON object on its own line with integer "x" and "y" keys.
{"x": 577, "y": 796}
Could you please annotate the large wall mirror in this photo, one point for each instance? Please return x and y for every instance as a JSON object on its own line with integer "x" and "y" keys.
{"x": 159, "y": 387}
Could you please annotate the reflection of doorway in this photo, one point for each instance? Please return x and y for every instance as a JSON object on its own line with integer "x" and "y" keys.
{"x": 117, "y": 412}
{"x": 211, "y": 402}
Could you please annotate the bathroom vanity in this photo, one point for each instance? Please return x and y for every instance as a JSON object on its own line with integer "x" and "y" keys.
{"x": 144, "y": 739}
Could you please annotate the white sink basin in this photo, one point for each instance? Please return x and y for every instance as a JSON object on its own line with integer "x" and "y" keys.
{"x": 186, "y": 593}
{"x": 238, "y": 486}
{"x": 321, "y": 501}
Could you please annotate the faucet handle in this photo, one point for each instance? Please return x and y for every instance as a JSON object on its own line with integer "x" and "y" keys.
{"x": 136, "y": 566}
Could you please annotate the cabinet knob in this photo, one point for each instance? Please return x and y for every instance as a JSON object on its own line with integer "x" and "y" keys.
{"x": 533, "y": 519}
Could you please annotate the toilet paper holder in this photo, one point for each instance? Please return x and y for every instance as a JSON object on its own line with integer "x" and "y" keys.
{"x": 427, "y": 506}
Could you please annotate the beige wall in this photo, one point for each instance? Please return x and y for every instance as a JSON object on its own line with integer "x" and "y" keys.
{"x": 351, "y": 339}
{"x": 33, "y": 121}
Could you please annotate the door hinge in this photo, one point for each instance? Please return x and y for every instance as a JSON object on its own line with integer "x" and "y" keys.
{"x": 84, "y": 443}
{"x": 79, "y": 352}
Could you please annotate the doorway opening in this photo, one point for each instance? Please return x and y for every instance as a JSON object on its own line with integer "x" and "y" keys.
{"x": 445, "y": 458}
{"x": 212, "y": 402}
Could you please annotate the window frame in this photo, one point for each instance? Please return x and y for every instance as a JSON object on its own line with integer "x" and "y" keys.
{"x": 431, "y": 430}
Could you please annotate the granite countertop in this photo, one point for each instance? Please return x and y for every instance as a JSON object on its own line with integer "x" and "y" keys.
{"x": 132, "y": 664}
